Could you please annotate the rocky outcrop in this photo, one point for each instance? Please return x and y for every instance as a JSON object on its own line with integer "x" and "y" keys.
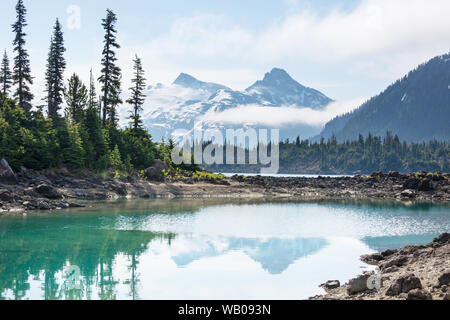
{"x": 48, "y": 191}
{"x": 404, "y": 284}
{"x": 411, "y": 273}
{"x": 7, "y": 175}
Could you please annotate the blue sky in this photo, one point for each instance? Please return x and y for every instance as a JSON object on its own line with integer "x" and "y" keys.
{"x": 349, "y": 49}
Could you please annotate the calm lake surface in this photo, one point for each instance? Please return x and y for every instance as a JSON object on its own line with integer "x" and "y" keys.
{"x": 202, "y": 249}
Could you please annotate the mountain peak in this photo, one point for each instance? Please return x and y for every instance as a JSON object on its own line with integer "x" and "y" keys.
{"x": 188, "y": 81}
{"x": 279, "y": 88}
{"x": 277, "y": 74}
{"x": 185, "y": 79}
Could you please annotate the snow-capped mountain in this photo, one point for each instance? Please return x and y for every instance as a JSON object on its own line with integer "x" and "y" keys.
{"x": 278, "y": 88}
{"x": 177, "y": 106}
{"x": 189, "y": 81}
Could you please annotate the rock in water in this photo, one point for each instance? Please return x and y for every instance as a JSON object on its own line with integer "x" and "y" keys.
{"x": 7, "y": 175}
{"x": 443, "y": 238}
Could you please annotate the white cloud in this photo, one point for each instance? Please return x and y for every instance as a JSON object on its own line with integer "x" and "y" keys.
{"x": 382, "y": 39}
{"x": 280, "y": 116}
{"x": 378, "y": 38}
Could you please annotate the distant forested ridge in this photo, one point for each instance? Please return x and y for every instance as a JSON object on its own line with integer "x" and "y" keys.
{"x": 364, "y": 155}
{"x": 417, "y": 108}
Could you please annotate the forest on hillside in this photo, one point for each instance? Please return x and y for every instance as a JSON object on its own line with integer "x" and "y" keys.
{"x": 365, "y": 155}
{"x": 416, "y": 107}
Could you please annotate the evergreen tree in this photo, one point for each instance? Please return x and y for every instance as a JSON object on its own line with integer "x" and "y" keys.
{"x": 76, "y": 95}
{"x": 93, "y": 103}
{"x": 137, "y": 95}
{"x": 115, "y": 159}
{"x": 21, "y": 71}
{"x": 71, "y": 146}
{"x": 94, "y": 142}
{"x": 111, "y": 73}
{"x": 5, "y": 75}
{"x": 54, "y": 76}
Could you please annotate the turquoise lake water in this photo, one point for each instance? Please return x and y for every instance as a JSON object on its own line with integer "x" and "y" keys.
{"x": 202, "y": 249}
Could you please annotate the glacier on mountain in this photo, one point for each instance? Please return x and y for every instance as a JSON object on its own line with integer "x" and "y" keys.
{"x": 178, "y": 106}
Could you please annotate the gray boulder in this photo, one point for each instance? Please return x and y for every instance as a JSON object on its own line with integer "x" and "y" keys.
{"x": 7, "y": 175}
{"x": 411, "y": 183}
{"x": 418, "y": 294}
{"x": 444, "y": 279}
{"x": 443, "y": 238}
{"x": 425, "y": 185}
{"x": 404, "y": 284}
{"x": 155, "y": 172}
{"x": 48, "y": 191}
{"x": 120, "y": 188}
{"x": 394, "y": 262}
{"x": 332, "y": 284}
{"x": 410, "y": 194}
{"x": 394, "y": 174}
{"x": 6, "y": 196}
{"x": 358, "y": 284}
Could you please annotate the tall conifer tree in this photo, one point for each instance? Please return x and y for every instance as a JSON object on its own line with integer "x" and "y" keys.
{"x": 137, "y": 95}
{"x": 21, "y": 71}
{"x": 93, "y": 103}
{"x": 111, "y": 73}
{"x": 76, "y": 95}
{"x": 5, "y": 75}
{"x": 54, "y": 76}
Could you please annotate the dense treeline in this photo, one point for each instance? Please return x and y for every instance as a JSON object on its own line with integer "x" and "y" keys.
{"x": 83, "y": 135}
{"x": 365, "y": 155}
{"x": 368, "y": 155}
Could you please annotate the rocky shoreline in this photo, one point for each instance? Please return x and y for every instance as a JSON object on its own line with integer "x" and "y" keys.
{"x": 411, "y": 273}
{"x": 47, "y": 190}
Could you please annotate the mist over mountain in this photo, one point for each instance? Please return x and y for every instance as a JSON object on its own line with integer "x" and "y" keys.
{"x": 416, "y": 108}
{"x": 187, "y": 100}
